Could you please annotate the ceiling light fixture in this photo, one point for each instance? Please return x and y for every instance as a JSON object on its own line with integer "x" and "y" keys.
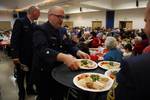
{"x": 137, "y": 3}
{"x": 80, "y": 9}
{"x": 43, "y": 3}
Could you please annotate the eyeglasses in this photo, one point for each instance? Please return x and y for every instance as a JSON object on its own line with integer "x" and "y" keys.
{"x": 59, "y": 16}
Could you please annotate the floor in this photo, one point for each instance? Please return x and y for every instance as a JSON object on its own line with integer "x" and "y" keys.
{"x": 8, "y": 88}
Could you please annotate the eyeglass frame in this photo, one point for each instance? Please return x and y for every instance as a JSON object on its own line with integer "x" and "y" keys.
{"x": 59, "y": 16}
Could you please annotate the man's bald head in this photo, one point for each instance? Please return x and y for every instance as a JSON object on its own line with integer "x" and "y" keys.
{"x": 55, "y": 10}
{"x": 148, "y": 7}
{"x": 55, "y": 16}
{"x": 32, "y": 9}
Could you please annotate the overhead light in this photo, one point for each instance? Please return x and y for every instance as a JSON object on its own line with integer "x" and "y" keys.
{"x": 137, "y": 3}
{"x": 80, "y": 9}
{"x": 38, "y": 4}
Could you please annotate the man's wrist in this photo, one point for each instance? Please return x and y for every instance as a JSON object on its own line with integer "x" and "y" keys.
{"x": 61, "y": 57}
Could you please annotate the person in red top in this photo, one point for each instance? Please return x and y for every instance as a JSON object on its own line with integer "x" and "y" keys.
{"x": 147, "y": 49}
{"x": 95, "y": 43}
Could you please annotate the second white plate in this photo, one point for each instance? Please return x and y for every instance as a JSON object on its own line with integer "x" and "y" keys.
{"x": 87, "y": 64}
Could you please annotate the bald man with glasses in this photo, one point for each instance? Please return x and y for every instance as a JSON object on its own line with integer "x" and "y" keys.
{"x": 51, "y": 48}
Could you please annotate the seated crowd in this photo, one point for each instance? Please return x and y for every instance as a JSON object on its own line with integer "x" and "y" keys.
{"x": 127, "y": 42}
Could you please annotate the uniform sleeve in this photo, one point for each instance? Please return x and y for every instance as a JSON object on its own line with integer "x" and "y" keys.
{"x": 15, "y": 38}
{"x": 41, "y": 48}
{"x": 70, "y": 47}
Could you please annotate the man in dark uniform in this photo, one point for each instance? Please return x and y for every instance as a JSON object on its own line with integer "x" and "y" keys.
{"x": 21, "y": 43}
{"x": 51, "y": 47}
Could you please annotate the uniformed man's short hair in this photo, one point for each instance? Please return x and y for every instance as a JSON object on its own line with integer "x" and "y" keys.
{"x": 31, "y": 9}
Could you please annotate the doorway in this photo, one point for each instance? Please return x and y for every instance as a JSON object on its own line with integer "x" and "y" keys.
{"x": 96, "y": 24}
{"x": 126, "y": 24}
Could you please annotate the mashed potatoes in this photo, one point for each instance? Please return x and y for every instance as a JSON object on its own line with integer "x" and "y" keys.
{"x": 92, "y": 81}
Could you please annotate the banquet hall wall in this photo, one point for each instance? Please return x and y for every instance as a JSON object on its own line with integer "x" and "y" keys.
{"x": 135, "y": 15}
{"x": 6, "y": 16}
{"x": 85, "y": 19}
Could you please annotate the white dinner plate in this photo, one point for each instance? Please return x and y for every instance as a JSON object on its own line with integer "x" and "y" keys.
{"x": 107, "y": 65}
{"x": 87, "y": 64}
{"x": 83, "y": 79}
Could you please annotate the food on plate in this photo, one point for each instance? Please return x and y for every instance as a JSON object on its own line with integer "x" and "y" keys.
{"x": 92, "y": 81}
{"x": 85, "y": 63}
{"x": 109, "y": 64}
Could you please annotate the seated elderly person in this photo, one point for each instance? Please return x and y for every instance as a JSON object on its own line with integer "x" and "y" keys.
{"x": 138, "y": 46}
{"x": 86, "y": 37}
{"x": 114, "y": 54}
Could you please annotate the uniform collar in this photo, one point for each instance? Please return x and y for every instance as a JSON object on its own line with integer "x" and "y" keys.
{"x": 30, "y": 20}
